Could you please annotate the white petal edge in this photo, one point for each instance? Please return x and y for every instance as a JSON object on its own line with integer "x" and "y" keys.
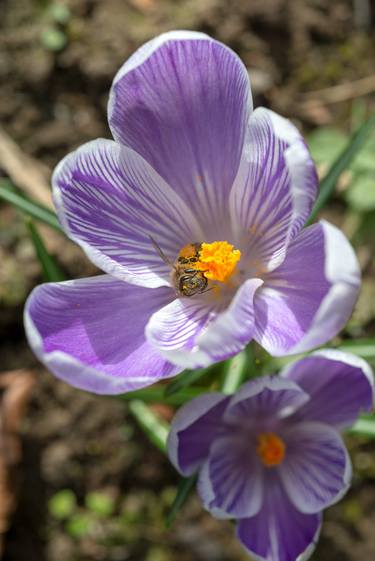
{"x": 297, "y": 158}
{"x": 96, "y": 256}
{"x": 337, "y": 355}
{"x": 347, "y": 475}
{"x": 112, "y": 385}
{"x": 301, "y": 168}
{"x": 311, "y": 547}
{"x": 185, "y": 417}
{"x": 302, "y": 557}
{"x": 207, "y": 494}
{"x": 273, "y": 383}
{"x": 146, "y": 50}
{"x": 343, "y": 272}
{"x": 201, "y": 354}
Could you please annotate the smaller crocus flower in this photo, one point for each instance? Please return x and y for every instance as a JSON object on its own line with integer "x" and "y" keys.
{"x": 271, "y": 455}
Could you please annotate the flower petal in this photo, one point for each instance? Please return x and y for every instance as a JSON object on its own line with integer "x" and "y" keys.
{"x": 110, "y": 201}
{"x": 316, "y": 470}
{"x": 192, "y": 332}
{"x": 193, "y": 430}
{"x": 274, "y": 190}
{"x": 182, "y": 101}
{"x": 207, "y": 495}
{"x": 265, "y": 398}
{"x": 340, "y": 385}
{"x": 279, "y": 532}
{"x": 90, "y": 333}
{"x": 232, "y": 482}
{"x": 309, "y": 298}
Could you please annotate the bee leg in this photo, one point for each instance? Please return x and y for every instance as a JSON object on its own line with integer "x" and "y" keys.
{"x": 199, "y": 271}
{"x": 207, "y": 290}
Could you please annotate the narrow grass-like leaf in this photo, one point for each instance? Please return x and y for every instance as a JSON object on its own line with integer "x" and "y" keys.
{"x": 365, "y": 426}
{"x": 364, "y": 348}
{"x": 235, "y": 372}
{"x": 156, "y": 394}
{"x": 185, "y": 379}
{"x": 28, "y": 206}
{"x": 184, "y": 488}
{"x": 342, "y": 162}
{"x": 155, "y": 429}
{"x": 51, "y": 271}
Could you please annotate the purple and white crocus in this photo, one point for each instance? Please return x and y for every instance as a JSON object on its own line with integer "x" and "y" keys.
{"x": 191, "y": 163}
{"x": 271, "y": 455}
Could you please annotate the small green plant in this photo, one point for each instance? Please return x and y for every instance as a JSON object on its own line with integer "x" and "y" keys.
{"x": 57, "y": 16}
{"x": 63, "y": 504}
{"x": 100, "y": 503}
{"x": 79, "y": 525}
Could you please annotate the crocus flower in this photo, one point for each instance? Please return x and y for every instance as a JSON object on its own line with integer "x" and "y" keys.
{"x": 271, "y": 455}
{"x": 195, "y": 214}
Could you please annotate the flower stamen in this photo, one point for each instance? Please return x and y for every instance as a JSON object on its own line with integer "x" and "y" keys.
{"x": 270, "y": 449}
{"x": 218, "y": 260}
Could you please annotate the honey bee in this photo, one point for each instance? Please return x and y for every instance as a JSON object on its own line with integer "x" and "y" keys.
{"x": 187, "y": 280}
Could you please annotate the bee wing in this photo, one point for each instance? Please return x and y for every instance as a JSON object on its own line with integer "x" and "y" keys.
{"x": 160, "y": 252}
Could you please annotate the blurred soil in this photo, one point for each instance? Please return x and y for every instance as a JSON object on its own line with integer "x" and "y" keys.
{"x": 56, "y": 67}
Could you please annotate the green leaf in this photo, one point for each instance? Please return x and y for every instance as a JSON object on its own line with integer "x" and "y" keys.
{"x": 156, "y": 429}
{"x": 358, "y": 112}
{"x": 365, "y": 426}
{"x": 80, "y": 525}
{"x": 156, "y": 394}
{"x": 364, "y": 348}
{"x": 235, "y": 372}
{"x": 62, "y": 504}
{"x": 365, "y": 162}
{"x": 342, "y": 162}
{"x": 361, "y": 194}
{"x": 100, "y": 503}
{"x": 185, "y": 379}
{"x": 59, "y": 13}
{"x": 365, "y": 233}
{"x": 185, "y": 487}
{"x": 27, "y": 206}
{"x": 53, "y": 39}
{"x": 51, "y": 271}
{"x": 326, "y": 143}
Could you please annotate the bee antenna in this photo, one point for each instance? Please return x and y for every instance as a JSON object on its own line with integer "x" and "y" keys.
{"x": 160, "y": 251}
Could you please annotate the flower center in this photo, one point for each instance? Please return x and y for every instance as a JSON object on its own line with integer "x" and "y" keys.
{"x": 270, "y": 449}
{"x": 217, "y": 260}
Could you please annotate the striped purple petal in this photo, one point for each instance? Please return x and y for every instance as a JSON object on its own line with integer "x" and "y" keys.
{"x": 340, "y": 385}
{"x": 90, "y": 333}
{"x": 110, "y": 201}
{"x": 263, "y": 399}
{"x": 182, "y": 101}
{"x": 231, "y": 483}
{"x": 193, "y": 332}
{"x": 316, "y": 471}
{"x": 274, "y": 190}
{"x": 279, "y": 532}
{"x": 310, "y": 297}
{"x": 193, "y": 429}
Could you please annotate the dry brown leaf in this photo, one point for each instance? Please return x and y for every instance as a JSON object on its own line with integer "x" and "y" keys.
{"x": 15, "y": 387}
{"x": 27, "y": 173}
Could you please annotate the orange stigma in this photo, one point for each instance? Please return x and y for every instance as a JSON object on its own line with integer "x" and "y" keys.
{"x": 217, "y": 260}
{"x": 270, "y": 449}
